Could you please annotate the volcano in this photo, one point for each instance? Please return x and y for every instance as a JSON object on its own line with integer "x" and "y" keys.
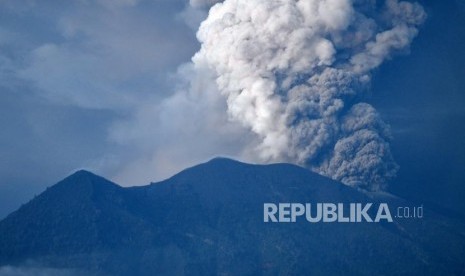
{"x": 209, "y": 220}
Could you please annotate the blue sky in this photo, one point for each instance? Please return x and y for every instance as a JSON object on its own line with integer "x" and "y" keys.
{"x": 78, "y": 82}
{"x": 422, "y": 96}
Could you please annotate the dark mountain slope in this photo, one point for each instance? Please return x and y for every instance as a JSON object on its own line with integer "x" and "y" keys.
{"x": 79, "y": 215}
{"x": 208, "y": 220}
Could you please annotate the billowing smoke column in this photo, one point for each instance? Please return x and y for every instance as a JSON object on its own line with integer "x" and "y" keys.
{"x": 296, "y": 71}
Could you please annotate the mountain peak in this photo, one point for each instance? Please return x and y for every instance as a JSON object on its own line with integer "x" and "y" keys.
{"x": 223, "y": 160}
{"x": 83, "y": 181}
{"x": 82, "y": 173}
{"x": 83, "y": 176}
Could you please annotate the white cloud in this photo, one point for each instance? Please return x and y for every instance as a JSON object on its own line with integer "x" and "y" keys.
{"x": 187, "y": 128}
{"x": 272, "y": 72}
{"x": 291, "y": 71}
{"x": 108, "y": 58}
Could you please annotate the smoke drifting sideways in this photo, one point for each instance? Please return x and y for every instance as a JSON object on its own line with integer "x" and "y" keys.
{"x": 296, "y": 73}
{"x": 202, "y": 3}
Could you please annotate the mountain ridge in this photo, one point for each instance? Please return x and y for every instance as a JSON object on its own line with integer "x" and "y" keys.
{"x": 208, "y": 218}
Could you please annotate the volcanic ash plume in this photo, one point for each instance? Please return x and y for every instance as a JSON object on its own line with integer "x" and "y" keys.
{"x": 295, "y": 72}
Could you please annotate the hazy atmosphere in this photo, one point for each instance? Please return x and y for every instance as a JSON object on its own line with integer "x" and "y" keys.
{"x": 136, "y": 90}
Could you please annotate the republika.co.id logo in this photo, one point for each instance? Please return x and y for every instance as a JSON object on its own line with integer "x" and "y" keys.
{"x": 337, "y": 212}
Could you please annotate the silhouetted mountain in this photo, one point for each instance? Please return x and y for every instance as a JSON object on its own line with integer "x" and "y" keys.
{"x": 208, "y": 220}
